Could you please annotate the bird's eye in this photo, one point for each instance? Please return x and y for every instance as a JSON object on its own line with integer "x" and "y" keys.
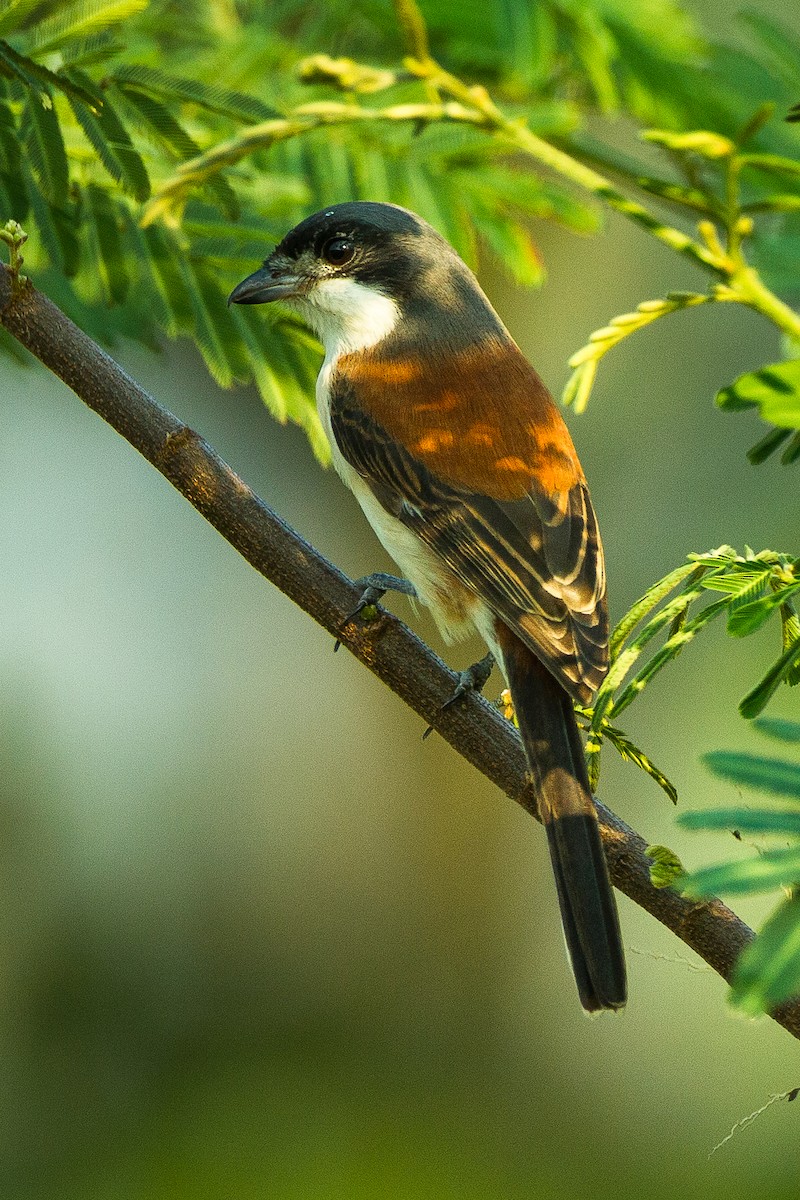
{"x": 338, "y": 251}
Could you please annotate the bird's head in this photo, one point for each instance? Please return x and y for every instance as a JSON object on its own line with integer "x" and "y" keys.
{"x": 361, "y": 271}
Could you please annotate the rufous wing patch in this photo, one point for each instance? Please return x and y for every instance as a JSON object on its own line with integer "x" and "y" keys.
{"x": 482, "y": 419}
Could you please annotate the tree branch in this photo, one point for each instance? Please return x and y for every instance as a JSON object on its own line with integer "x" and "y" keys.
{"x": 386, "y": 645}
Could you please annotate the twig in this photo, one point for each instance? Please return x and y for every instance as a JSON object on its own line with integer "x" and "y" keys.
{"x": 475, "y": 729}
{"x": 753, "y": 1116}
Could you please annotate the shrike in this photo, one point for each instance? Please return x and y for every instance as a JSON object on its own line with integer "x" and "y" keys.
{"x": 467, "y": 473}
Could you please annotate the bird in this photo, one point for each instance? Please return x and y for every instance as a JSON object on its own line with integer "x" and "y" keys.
{"x": 465, "y": 468}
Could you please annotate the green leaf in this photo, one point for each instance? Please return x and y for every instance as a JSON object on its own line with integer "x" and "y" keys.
{"x": 784, "y": 822}
{"x": 749, "y": 770}
{"x": 80, "y": 20}
{"x": 213, "y": 97}
{"x": 667, "y": 868}
{"x": 57, "y": 228}
{"x": 790, "y": 633}
{"x": 776, "y": 727}
{"x": 772, "y": 869}
{"x": 110, "y": 139}
{"x": 224, "y": 355}
{"x": 158, "y": 120}
{"x": 650, "y": 600}
{"x": 777, "y": 40}
{"x": 38, "y": 78}
{"x": 783, "y": 669}
{"x": 113, "y": 262}
{"x": 670, "y": 650}
{"x": 755, "y": 123}
{"x": 594, "y": 46}
{"x": 281, "y": 371}
{"x": 768, "y": 970}
{"x": 745, "y": 620}
{"x": 767, "y": 446}
{"x": 676, "y": 193}
{"x": 774, "y": 163}
{"x": 513, "y": 245}
{"x": 96, "y": 49}
{"x": 163, "y": 259}
{"x": 11, "y": 173}
{"x": 267, "y": 380}
{"x": 626, "y": 656}
{"x": 792, "y": 451}
{"x": 778, "y": 203}
{"x": 530, "y": 40}
{"x": 774, "y": 390}
{"x": 629, "y": 752}
{"x": 170, "y": 133}
{"x": 45, "y": 144}
{"x": 15, "y": 13}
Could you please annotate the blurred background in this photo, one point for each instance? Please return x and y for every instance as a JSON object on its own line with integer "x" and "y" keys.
{"x": 257, "y": 939}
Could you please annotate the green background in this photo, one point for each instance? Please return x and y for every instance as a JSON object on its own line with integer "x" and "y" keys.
{"x": 256, "y": 938}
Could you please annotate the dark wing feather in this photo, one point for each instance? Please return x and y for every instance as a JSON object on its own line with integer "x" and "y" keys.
{"x": 536, "y": 561}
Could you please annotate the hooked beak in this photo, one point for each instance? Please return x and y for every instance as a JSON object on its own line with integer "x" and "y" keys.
{"x": 263, "y": 286}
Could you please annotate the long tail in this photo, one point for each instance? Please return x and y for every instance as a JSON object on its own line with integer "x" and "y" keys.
{"x": 556, "y": 761}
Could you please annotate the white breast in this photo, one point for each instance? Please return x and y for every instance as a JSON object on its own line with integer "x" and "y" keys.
{"x": 347, "y": 317}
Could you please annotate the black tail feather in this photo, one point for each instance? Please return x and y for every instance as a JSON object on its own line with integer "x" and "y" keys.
{"x": 555, "y": 757}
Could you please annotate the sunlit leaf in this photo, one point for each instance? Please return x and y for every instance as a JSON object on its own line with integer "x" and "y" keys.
{"x": 666, "y": 653}
{"x": 667, "y": 869}
{"x": 700, "y": 141}
{"x": 164, "y": 262}
{"x": 224, "y": 355}
{"x": 80, "y": 20}
{"x": 774, "y": 163}
{"x": 650, "y": 600}
{"x": 745, "y": 620}
{"x": 774, "y": 390}
{"x": 57, "y": 229}
{"x": 629, "y": 752}
{"x": 790, "y": 634}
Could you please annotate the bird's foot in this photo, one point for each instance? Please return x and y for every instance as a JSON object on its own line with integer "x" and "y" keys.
{"x": 374, "y": 588}
{"x": 472, "y": 680}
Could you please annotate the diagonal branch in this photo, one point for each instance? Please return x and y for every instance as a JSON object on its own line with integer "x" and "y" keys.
{"x": 386, "y": 646}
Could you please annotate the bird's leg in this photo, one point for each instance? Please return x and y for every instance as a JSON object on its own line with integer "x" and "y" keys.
{"x": 374, "y": 588}
{"x": 473, "y": 679}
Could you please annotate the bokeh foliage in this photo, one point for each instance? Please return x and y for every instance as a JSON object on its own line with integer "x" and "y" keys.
{"x": 153, "y": 151}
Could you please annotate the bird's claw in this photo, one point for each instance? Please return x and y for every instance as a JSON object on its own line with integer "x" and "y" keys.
{"x": 473, "y": 679}
{"x": 375, "y": 588}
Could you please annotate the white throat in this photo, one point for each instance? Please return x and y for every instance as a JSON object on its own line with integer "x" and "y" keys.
{"x": 347, "y": 316}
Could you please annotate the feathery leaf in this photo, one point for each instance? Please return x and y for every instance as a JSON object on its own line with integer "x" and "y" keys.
{"x": 80, "y": 20}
